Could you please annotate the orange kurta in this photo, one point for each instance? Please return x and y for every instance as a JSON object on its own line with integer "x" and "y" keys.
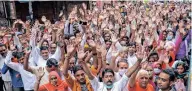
{"x": 138, "y": 88}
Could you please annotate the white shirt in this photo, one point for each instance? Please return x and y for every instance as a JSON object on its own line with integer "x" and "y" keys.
{"x": 42, "y": 62}
{"x": 117, "y": 86}
{"x": 27, "y": 78}
{"x": 117, "y": 76}
{"x": 57, "y": 54}
{"x": 6, "y": 76}
{"x": 109, "y": 55}
{"x": 131, "y": 60}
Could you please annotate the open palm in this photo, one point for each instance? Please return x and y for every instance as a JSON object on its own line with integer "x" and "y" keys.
{"x": 70, "y": 48}
{"x": 91, "y": 43}
{"x": 40, "y": 72}
{"x": 81, "y": 54}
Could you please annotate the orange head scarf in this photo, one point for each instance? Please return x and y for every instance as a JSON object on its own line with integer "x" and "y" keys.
{"x": 61, "y": 85}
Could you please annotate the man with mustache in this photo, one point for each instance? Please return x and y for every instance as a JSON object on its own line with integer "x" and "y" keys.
{"x": 108, "y": 78}
{"x": 81, "y": 82}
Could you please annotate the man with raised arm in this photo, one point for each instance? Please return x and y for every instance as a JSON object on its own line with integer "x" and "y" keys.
{"x": 108, "y": 77}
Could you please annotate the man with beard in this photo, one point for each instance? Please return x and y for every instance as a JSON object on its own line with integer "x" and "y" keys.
{"x": 71, "y": 65}
{"x": 5, "y": 78}
{"x": 108, "y": 78}
{"x": 81, "y": 82}
{"x": 55, "y": 51}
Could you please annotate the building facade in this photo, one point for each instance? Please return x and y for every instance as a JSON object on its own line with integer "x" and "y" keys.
{"x": 11, "y": 10}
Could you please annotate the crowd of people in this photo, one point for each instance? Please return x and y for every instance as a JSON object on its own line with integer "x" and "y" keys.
{"x": 128, "y": 46}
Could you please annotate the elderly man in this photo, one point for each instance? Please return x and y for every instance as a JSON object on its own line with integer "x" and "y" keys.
{"x": 141, "y": 82}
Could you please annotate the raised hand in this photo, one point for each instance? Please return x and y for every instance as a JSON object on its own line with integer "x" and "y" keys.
{"x": 45, "y": 36}
{"x": 40, "y": 73}
{"x": 165, "y": 58}
{"x": 140, "y": 54}
{"x": 81, "y": 54}
{"x": 99, "y": 49}
{"x": 144, "y": 64}
{"x": 27, "y": 51}
{"x": 77, "y": 41}
{"x": 61, "y": 42}
{"x": 81, "y": 11}
{"x": 179, "y": 85}
{"x": 70, "y": 48}
{"x": 91, "y": 43}
{"x": 114, "y": 39}
{"x": 84, "y": 6}
{"x": 103, "y": 51}
{"x": 98, "y": 33}
{"x": 114, "y": 52}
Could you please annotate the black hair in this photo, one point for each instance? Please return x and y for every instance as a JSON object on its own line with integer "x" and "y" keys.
{"x": 122, "y": 60}
{"x": 126, "y": 37}
{"x": 108, "y": 41}
{"x": 154, "y": 53}
{"x": 77, "y": 31}
{"x": 77, "y": 68}
{"x": 172, "y": 32}
{"x": 132, "y": 44}
{"x": 18, "y": 55}
{"x": 1, "y": 44}
{"x": 45, "y": 41}
{"x": 52, "y": 61}
{"x": 20, "y": 34}
{"x": 43, "y": 48}
{"x": 180, "y": 64}
{"x": 165, "y": 32}
{"x": 53, "y": 43}
{"x": 150, "y": 47}
{"x": 171, "y": 74}
{"x": 106, "y": 71}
